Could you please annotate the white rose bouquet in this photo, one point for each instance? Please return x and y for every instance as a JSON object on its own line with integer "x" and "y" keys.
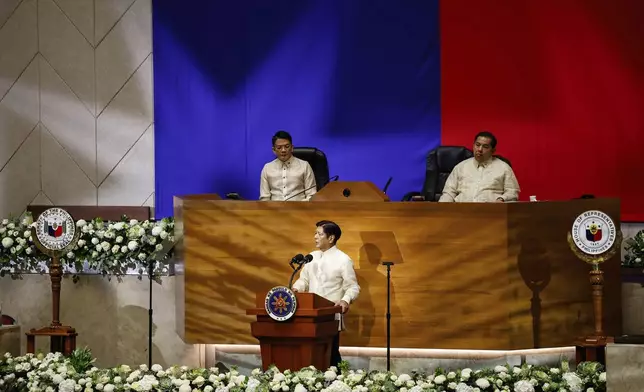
{"x": 53, "y": 372}
{"x": 107, "y": 248}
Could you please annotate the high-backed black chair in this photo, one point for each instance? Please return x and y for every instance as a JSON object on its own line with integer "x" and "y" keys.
{"x": 504, "y": 159}
{"x": 440, "y": 163}
{"x": 317, "y": 159}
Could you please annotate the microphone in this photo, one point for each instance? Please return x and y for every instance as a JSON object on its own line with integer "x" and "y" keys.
{"x": 334, "y": 178}
{"x": 384, "y": 190}
{"x": 297, "y": 259}
{"x": 302, "y": 260}
{"x": 233, "y": 196}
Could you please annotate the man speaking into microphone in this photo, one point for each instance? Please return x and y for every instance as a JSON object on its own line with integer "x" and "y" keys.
{"x": 330, "y": 275}
{"x": 286, "y": 177}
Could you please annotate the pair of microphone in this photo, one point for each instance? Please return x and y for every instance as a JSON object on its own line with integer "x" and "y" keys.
{"x": 300, "y": 260}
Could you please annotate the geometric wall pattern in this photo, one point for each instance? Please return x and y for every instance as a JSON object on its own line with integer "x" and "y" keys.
{"x": 76, "y": 103}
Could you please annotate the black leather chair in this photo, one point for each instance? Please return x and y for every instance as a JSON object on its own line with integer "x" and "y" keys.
{"x": 504, "y": 159}
{"x": 440, "y": 163}
{"x": 317, "y": 159}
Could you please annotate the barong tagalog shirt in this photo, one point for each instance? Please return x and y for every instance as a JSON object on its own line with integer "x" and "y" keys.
{"x": 330, "y": 275}
{"x": 281, "y": 180}
{"x": 471, "y": 181}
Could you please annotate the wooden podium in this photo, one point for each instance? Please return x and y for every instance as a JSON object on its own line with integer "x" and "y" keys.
{"x": 301, "y": 341}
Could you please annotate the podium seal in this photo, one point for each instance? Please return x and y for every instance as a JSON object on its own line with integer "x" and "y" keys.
{"x": 280, "y": 303}
{"x": 55, "y": 230}
{"x": 594, "y": 238}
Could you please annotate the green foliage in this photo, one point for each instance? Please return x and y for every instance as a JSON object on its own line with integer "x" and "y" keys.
{"x": 634, "y": 250}
{"x": 344, "y": 367}
{"x": 81, "y": 359}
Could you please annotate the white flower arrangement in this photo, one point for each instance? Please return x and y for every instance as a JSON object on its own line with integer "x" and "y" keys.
{"x": 634, "y": 251}
{"x": 53, "y": 372}
{"x": 107, "y": 248}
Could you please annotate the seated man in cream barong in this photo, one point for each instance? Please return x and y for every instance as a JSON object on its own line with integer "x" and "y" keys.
{"x": 482, "y": 178}
{"x": 286, "y": 177}
{"x": 330, "y": 275}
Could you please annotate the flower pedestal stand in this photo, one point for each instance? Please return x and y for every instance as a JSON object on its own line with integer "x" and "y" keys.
{"x": 593, "y": 347}
{"x": 594, "y": 239}
{"x": 63, "y": 338}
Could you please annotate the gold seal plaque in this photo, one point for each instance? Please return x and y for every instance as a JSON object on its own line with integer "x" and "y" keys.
{"x": 594, "y": 238}
{"x": 55, "y": 232}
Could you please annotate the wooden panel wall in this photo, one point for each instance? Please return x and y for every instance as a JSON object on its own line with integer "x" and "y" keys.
{"x": 459, "y": 279}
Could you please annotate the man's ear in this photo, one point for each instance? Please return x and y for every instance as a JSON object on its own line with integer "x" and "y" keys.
{"x": 332, "y": 239}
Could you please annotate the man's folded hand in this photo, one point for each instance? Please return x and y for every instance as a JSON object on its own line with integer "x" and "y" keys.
{"x": 344, "y": 304}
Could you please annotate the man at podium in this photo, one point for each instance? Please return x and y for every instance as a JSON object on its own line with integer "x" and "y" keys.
{"x": 330, "y": 275}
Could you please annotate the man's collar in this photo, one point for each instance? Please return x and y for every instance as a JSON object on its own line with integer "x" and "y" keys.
{"x": 478, "y": 164}
{"x": 333, "y": 248}
{"x": 288, "y": 162}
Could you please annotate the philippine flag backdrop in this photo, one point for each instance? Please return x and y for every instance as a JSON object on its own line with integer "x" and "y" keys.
{"x": 376, "y": 84}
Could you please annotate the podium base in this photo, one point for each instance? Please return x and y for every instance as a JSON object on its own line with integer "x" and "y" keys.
{"x": 592, "y": 348}
{"x": 62, "y": 338}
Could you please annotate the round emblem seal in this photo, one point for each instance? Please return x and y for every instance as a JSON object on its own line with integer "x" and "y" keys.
{"x": 594, "y": 232}
{"x": 55, "y": 229}
{"x": 280, "y": 303}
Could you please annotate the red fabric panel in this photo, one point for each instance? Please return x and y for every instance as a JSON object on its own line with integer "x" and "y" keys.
{"x": 561, "y": 84}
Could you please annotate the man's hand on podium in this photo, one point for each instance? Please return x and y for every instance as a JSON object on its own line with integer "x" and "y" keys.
{"x": 295, "y": 290}
{"x": 344, "y": 304}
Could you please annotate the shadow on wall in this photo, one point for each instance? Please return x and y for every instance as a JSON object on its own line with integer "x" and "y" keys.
{"x": 102, "y": 313}
{"x": 90, "y": 306}
{"x": 253, "y": 28}
{"x": 132, "y": 339}
{"x": 54, "y": 106}
{"x": 367, "y": 323}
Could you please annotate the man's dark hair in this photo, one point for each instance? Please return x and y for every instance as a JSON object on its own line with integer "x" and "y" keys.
{"x": 486, "y": 134}
{"x": 282, "y": 135}
{"x": 330, "y": 228}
